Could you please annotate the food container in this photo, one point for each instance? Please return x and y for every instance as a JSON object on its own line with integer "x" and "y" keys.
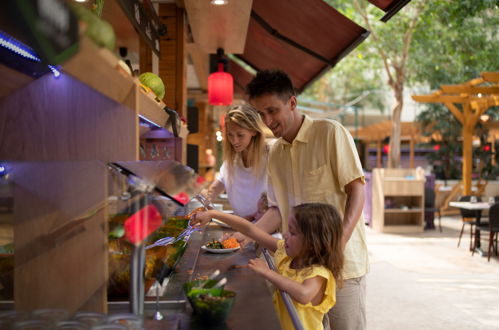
{"x": 160, "y": 260}
{"x": 210, "y": 305}
{"x": 6, "y": 276}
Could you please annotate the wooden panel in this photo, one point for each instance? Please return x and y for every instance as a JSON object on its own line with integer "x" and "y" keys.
{"x": 145, "y": 57}
{"x": 60, "y": 235}
{"x": 151, "y": 109}
{"x": 11, "y": 80}
{"x": 172, "y": 63}
{"x": 201, "y": 66}
{"x": 398, "y": 200}
{"x": 219, "y": 26}
{"x": 63, "y": 119}
{"x": 403, "y": 187}
{"x": 99, "y": 68}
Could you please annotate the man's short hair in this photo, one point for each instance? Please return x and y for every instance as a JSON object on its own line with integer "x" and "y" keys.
{"x": 271, "y": 82}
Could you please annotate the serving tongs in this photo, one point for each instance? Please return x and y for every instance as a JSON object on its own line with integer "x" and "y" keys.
{"x": 188, "y": 230}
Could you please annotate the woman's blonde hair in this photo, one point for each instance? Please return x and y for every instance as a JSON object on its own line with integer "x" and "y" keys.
{"x": 322, "y": 229}
{"x": 246, "y": 117}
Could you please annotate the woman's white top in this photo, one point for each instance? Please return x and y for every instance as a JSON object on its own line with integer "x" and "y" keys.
{"x": 244, "y": 190}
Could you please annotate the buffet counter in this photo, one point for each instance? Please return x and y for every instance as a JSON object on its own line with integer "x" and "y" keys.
{"x": 253, "y": 307}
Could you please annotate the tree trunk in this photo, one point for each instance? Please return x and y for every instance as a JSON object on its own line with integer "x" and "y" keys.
{"x": 394, "y": 153}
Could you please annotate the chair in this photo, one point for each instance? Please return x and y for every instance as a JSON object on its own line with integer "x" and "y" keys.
{"x": 469, "y": 218}
{"x": 429, "y": 207}
{"x": 492, "y": 227}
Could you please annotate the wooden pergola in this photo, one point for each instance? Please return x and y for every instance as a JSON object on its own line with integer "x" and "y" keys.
{"x": 467, "y": 102}
{"x": 409, "y": 131}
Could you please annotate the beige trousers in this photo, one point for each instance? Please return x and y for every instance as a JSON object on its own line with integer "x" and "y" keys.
{"x": 349, "y": 313}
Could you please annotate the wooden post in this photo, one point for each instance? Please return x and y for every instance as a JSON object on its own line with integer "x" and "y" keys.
{"x": 378, "y": 153}
{"x": 172, "y": 63}
{"x": 467, "y": 158}
{"x": 145, "y": 56}
{"x": 411, "y": 152}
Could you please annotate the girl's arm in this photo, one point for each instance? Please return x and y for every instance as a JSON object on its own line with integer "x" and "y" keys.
{"x": 240, "y": 224}
{"x": 311, "y": 290}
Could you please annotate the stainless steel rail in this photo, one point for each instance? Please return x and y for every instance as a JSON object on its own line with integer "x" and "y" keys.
{"x": 285, "y": 296}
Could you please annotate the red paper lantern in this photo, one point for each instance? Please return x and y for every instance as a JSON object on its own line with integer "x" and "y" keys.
{"x": 436, "y": 147}
{"x": 386, "y": 148}
{"x": 220, "y": 87}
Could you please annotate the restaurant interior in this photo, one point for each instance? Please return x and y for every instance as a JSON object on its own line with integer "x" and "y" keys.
{"x": 89, "y": 149}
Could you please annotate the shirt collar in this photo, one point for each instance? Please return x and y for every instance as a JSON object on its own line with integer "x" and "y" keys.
{"x": 304, "y": 131}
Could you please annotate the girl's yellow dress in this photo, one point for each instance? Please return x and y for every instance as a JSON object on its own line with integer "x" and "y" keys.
{"x": 310, "y": 316}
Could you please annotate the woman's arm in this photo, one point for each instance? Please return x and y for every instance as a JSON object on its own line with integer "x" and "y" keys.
{"x": 311, "y": 290}
{"x": 214, "y": 190}
{"x": 240, "y": 224}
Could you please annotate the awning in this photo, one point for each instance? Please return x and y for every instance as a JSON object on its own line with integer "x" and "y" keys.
{"x": 241, "y": 78}
{"x": 303, "y": 38}
{"x": 390, "y": 7}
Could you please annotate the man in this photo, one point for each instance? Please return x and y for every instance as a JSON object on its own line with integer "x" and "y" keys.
{"x": 314, "y": 161}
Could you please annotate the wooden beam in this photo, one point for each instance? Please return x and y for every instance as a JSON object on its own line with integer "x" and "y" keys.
{"x": 440, "y": 98}
{"x": 456, "y": 112}
{"x": 200, "y": 61}
{"x": 219, "y": 26}
{"x": 490, "y": 76}
{"x": 461, "y": 89}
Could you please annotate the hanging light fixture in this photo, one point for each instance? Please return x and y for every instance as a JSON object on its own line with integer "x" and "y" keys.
{"x": 220, "y": 83}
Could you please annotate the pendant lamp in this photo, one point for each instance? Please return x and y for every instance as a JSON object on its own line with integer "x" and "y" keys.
{"x": 220, "y": 84}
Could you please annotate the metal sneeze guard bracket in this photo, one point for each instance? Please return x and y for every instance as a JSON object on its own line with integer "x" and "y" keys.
{"x": 285, "y": 297}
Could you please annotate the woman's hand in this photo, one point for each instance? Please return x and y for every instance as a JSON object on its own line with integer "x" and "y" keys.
{"x": 259, "y": 266}
{"x": 200, "y": 218}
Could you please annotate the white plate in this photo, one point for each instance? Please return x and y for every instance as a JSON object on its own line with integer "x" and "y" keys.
{"x": 219, "y": 250}
{"x": 220, "y": 223}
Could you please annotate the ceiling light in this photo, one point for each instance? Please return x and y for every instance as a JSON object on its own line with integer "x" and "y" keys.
{"x": 485, "y": 117}
{"x": 220, "y": 83}
{"x": 219, "y": 2}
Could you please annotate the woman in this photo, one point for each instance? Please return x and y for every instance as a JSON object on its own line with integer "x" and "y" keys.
{"x": 243, "y": 172}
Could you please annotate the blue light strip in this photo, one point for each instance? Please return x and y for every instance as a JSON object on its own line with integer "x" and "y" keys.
{"x": 149, "y": 121}
{"x": 23, "y": 50}
{"x": 17, "y": 47}
{"x": 55, "y": 71}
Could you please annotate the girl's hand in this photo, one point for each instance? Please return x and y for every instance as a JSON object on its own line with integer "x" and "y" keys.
{"x": 258, "y": 265}
{"x": 200, "y": 218}
{"x": 241, "y": 239}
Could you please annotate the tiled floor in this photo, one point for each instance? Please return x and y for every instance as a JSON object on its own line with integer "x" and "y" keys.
{"x": 424, "y": 281}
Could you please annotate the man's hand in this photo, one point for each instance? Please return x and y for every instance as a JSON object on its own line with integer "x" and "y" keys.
{"x": 258, "y": 265}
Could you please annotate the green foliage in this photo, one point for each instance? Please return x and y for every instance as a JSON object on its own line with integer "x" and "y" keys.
{"x": 455, "y": 42}
{"x": 358, "y": 72}
{"x": 443, "y": 130}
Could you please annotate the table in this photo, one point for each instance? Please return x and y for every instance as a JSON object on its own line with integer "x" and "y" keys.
{"x": 476, "y": 206}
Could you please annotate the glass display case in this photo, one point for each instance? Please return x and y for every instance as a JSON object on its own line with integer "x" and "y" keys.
{"x": 67, "y": 231}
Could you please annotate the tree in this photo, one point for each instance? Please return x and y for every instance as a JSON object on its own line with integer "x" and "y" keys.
{"x": 458, "y": 42}
{"x": 394, "y": 54}
{"x": 443, "y": 131}
{"x": 427, "y": 43}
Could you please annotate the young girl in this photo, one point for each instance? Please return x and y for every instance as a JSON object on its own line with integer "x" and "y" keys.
{"x": 243, "y": 172}
{"x": 308, "y": 260}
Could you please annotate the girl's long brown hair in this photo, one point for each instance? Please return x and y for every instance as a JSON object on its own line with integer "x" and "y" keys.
{"x": 322, "y": 229}
{"x": 246, "y": 117}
